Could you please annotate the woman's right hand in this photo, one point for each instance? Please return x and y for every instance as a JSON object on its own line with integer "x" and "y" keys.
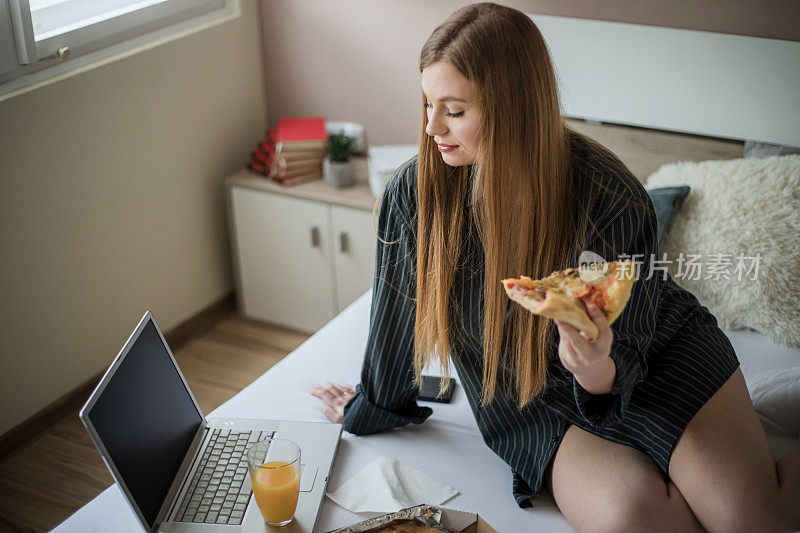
{"x": 334, "y": 397}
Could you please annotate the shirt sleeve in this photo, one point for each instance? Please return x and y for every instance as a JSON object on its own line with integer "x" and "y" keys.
{"x": 631, "y": 234}
{"x": 386, "y": 396}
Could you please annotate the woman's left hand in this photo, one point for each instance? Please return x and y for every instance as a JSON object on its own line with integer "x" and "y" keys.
{"x": 334, "y": 397}
{"x": 588, "y": 359}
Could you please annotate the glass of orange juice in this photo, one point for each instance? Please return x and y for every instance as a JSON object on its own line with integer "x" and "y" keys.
{"x": 274, "y": 466}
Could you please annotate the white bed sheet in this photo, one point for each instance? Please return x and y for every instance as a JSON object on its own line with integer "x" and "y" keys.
{"x": 759, "y": 357}
{"x": 447, "y": 446}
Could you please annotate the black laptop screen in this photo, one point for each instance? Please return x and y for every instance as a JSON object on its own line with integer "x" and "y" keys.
{"x": 146, "y": 420}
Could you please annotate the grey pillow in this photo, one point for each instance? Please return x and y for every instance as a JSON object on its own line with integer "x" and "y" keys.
{"x": 667, "y": 201}
{"x": 753, "y": 149}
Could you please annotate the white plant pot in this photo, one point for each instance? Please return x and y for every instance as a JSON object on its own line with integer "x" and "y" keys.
{"x": 338, "y": 174}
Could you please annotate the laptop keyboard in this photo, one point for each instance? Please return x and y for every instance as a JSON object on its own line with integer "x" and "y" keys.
{"x": 220, "y": 488}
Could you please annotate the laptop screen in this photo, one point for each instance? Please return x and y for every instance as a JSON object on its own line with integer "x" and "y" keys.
{"x": 146, "y": 420}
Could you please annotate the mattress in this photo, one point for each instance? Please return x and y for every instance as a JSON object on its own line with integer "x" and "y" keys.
{"x": 448, "y": 446}
{"x": 759, "y": 358}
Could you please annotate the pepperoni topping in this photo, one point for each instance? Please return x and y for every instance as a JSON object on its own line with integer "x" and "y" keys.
{"x": 591, "y": 293}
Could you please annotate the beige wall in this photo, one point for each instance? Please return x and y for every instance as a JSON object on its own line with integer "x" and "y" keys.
{"x": 110, "y": 181}
{"x": 356, "y": 59}
{"x": 111, "y": 203}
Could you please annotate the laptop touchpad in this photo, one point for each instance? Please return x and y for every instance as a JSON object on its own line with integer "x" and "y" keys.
{"x": 308, "y": 473}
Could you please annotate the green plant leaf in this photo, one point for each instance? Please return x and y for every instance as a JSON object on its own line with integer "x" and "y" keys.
{"x": 339, "y": 146}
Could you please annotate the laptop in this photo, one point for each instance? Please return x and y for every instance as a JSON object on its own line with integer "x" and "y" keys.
{"x": 178, "y": 470}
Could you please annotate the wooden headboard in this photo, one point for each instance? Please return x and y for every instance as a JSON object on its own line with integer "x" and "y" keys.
{"x": 644, "y": 150}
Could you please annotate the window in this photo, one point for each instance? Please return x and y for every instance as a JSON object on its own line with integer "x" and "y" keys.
{"x": 44, "y": 38}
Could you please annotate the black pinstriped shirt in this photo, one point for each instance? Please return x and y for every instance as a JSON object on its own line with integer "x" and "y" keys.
{"x": 527, "y": 439}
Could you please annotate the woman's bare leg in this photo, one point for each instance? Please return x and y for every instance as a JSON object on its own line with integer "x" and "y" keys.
{"x": 600, "y": 485}
{"x": 724, "y": 467}
{"x": 722, "y": 473}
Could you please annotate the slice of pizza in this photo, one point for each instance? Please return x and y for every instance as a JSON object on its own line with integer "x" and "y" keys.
{"x": 563, "y": 294}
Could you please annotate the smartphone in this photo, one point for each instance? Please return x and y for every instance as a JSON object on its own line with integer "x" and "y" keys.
{"x": 430, "y": 389}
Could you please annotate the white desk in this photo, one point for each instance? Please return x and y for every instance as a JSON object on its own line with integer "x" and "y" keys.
{"x": 447, "y": 446}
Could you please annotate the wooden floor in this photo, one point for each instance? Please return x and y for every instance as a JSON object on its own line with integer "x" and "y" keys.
{"x": 42, "y": 484}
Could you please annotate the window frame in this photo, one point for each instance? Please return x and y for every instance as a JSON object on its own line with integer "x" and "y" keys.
{"x": 96, "y": 43}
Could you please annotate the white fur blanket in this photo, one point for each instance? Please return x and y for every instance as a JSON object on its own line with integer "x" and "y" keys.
{"x": 742, "y": 218}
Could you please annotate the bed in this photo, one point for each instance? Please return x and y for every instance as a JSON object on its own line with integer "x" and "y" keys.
{"x": 448, "y": 445}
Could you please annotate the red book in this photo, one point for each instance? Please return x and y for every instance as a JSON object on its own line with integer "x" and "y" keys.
{"x": 297, "y": 176}
{"x": 299, "y": 134}
{"x": 259, "y": 167}
{"x": 305, "y": 155}
{"x": 282, "y": 174}
{"x": 259, "y": 155}
{"x": 267, "y": 147}
{"x": 281, "y": 167}
{"x": 301, "y": 129}
{"x": 300, "y": 179}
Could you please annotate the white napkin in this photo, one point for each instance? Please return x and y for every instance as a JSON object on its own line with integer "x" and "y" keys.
{"x": 386, "y": 485}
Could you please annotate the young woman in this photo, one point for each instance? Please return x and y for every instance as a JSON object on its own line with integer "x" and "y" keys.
{"x": 648, "y": 426}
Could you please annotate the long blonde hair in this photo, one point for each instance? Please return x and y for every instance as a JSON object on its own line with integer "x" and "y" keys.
{"x": 525, "y": 195}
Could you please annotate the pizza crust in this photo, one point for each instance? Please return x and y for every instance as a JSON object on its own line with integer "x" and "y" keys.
{"x": 623, "y": 276}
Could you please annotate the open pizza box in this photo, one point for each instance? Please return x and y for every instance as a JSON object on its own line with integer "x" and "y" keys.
{"x": 431, "y": 515}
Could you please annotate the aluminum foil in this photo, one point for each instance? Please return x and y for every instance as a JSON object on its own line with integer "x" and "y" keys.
{"x": 420, "y": 515}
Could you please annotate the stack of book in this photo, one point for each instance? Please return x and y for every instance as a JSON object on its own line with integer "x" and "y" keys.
{"x": 293, "y": 151}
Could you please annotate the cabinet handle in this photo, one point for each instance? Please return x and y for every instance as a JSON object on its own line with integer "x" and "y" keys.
{"x": 344, "y": 242}
{"x": 315, "y": 236}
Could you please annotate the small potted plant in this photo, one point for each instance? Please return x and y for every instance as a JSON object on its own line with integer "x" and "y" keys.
{"x": 337, "y": 169}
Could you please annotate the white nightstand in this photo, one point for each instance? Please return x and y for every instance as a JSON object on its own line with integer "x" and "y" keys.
{"x": 303, "y": 253}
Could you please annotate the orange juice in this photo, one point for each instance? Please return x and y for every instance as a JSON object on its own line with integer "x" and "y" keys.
{"x": 276, "y": 486}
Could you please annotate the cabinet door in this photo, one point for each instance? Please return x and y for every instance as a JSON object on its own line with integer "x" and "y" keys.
{"x": 354, "y": 242}
{"x": 284, "y": 255}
